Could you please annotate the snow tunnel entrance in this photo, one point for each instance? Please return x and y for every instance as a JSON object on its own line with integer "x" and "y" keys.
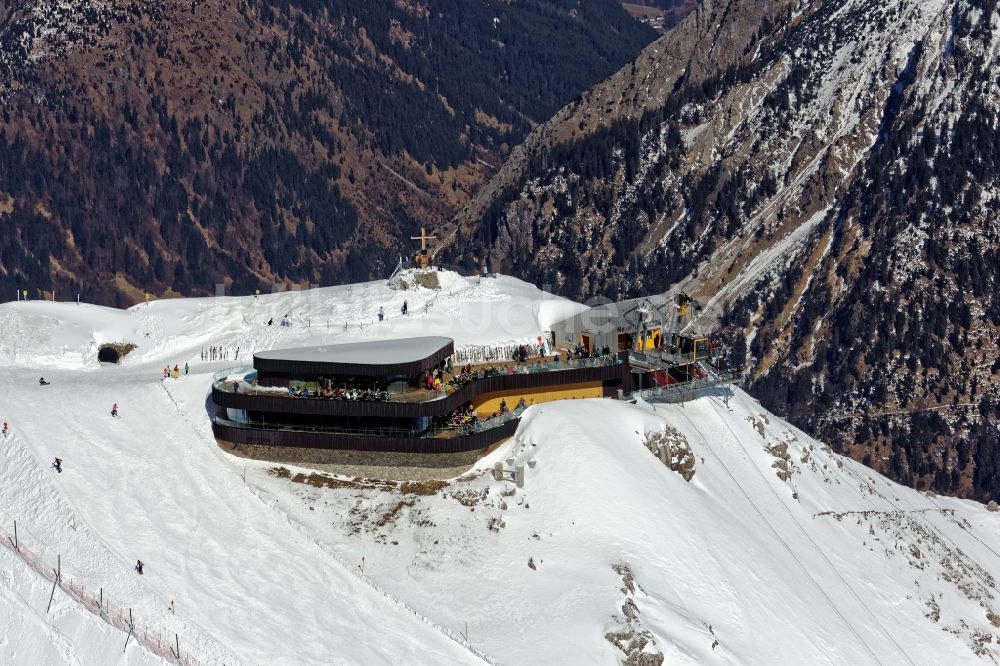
{"x": 113, "y": 352}
{"x": 107, "y": 355}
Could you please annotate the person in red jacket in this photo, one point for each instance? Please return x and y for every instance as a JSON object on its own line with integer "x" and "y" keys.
{"x": 114, "y": 410}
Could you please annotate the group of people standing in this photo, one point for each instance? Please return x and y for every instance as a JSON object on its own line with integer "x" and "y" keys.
{"x": 597, "y": 352}
{"x": 434, "y": 380}
{"x": 214, "y": 353}
{"x": 175, "y": 373}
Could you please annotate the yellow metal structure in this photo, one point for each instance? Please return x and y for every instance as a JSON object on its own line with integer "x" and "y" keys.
{"x": 489, "y": 403}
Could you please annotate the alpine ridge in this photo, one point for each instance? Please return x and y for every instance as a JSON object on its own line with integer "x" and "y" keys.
{"x": 822, "y": 174}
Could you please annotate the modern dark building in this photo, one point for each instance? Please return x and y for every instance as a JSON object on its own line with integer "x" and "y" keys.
{"x": 373, "y": 402}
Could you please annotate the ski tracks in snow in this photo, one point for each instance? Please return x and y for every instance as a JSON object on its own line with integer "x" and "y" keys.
{"x": 746, "y": 456}
{"x": 24, "y": 471}
{"x": 768, "y": 522}
{"x": 272, "y": 503}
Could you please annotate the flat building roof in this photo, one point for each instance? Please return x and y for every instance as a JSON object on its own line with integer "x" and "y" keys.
{"x": 405, "y": 356}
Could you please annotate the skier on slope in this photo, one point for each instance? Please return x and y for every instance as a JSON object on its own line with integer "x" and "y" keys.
{"x": 114, "y": 410}
{"x": 5, "y": 429}
{"x": 138, "y": 566}
{"x": 42, "y": 382}
{"x": 185, "y": 368}
{"x": 58, "y": 465}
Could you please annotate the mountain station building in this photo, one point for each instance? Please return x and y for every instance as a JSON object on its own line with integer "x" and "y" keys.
{"x": 392, "y": 402}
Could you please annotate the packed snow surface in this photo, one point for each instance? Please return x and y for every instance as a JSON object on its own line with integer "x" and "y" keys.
{"x": 380, "y": 352}
{"x": 775, "y": 551}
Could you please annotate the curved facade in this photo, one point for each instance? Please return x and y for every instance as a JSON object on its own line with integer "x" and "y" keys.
{"x": 382, "y": 358}
{"x": 268, "y": 411}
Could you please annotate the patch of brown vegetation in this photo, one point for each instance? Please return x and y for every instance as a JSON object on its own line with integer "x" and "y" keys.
{"x": 422, "y": 488}
{"x": 488, "y": 120}
{"x": 415, "y": 8}
{"x": 321, "y": 480}
{"x": 393, "y": 513}
{"x": 400, "y": 35}
{"x": 785, "y": 321}
{"x": 470, "y": 497}
{"x": 317, "y": 480}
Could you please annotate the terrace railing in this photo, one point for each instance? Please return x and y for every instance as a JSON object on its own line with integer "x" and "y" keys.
{"x": 482, "y": 425}
{"x": 684, "y": 391}
{"x": 222, "y": 383}
{"x": 533, "y": 377}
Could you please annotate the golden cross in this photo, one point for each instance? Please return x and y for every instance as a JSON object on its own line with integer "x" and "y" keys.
{"x": 423, "y": 238}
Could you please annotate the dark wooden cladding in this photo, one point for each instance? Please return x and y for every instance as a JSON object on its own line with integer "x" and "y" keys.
{"x": 611, "y": 376}
{"x": 282, "y": 369}
{"x": 322, "y": 440}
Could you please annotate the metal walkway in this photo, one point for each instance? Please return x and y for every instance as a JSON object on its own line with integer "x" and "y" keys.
{"x": 684, "y": 391}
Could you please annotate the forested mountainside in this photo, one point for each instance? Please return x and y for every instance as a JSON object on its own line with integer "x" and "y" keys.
{"x": 169, "y": 145}
{"x": 824, "y": 175}
{"x": 673, "y": 10}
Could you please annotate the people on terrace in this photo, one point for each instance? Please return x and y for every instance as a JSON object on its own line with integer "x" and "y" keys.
{"x": 328, "y": 393}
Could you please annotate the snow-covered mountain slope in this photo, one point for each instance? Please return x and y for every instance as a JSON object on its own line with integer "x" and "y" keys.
{"x": 822, "y": 175}
{"x": 153, "y": 486}
{"x": 836, "y": 565}
{"x": 606, "y": 551}
{"x": 69, "y": 634}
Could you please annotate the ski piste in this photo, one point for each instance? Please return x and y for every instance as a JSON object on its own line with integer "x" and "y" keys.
{"x": 726, "y": 567}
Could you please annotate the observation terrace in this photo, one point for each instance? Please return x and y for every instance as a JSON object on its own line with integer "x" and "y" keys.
{"x": 376, "y": 397}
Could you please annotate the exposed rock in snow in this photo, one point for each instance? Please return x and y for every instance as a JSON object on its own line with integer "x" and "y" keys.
{"x": 671, "y": 447}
